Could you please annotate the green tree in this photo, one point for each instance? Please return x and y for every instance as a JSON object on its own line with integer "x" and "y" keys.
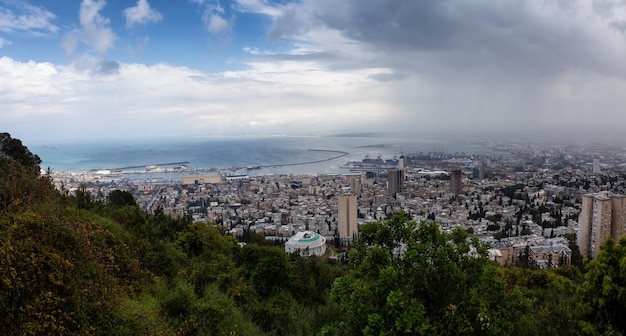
{"x": 410, "y": 279}
{"x": 14, "y": 150}
{"x": 266, "y": 268}
{"x": 84, "y": 199}
{"x": 603, "y": 294}
{"x": 60, "y": 273}
{"x": 21, "y": 182}
{"x": 120, "y": 198}
{"x": 554, "y": 294}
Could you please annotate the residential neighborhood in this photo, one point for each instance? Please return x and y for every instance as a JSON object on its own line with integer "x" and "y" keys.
{"x": 525, "y": 203}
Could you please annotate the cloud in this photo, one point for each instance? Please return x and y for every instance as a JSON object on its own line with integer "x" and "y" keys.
{"x": 215, "y": 23}
{"x": 286, "y": 25}
{"x": 452, "y": 66}
{"x": 141, "y": 14}
{"x": 106, "y": 67}
{"x": 167, "y": 99}
{"x": 258, "y": 6}
{"x": 251, "y": 50}
{"x": 136, "y": 47}
{"x": 467, "y": 64}
{"x": 4, "y": 42}
{"x": 500, "y": 37}
{"x": 515, "y": 37}
{"x": 214, "y": 17}
{"x": 95, "y": 30}
{"x": 388, "y": 77}
{"x": 17, "y": 16}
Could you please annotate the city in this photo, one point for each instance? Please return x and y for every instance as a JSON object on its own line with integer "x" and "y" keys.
{"x": 525, "y": 200}
{"x": 304, "y": 167}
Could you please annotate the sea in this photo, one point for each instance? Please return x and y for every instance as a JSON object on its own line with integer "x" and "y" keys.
{"x": 266, "y": 154}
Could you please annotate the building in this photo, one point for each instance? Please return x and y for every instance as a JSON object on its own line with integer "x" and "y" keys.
{"x": 596, "y": 166}
{"x": 478, "y": 173}
{"x": 201, "y": 179}
{"x": 308, "y": 243}
{"x": 395, "y": 181}
{"x": 456, "y": 184}
{"x": 355, "y": 184}
{"x": 602, "y": 215}
{"x": 550, "y": 256}
{"x": 348, "y": 220}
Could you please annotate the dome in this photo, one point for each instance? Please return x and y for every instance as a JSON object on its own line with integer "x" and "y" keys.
{"x": 307, "y": 242}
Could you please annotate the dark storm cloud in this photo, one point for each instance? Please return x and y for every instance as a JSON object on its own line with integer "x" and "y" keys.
{"x": 487, "y": 64}
{"x": 285, "y": 25}
{"x": 389, "y": 77}
{"x": 515, "y": 36}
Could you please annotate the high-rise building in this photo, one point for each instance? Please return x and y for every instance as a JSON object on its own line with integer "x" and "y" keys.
{"x": 348, "y": 220}
{"x": 395, "y": 181}
{"x": 401, "y": 162}
{"x": 355, "y": 184}
{"x": 456, "y": 185}
{"x": 596, "y": 166}
{"x": 478, "y": 173}
{"x": 602, "y": 215}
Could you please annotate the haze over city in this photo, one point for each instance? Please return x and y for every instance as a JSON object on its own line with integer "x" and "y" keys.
{"x": 79, "y": 69}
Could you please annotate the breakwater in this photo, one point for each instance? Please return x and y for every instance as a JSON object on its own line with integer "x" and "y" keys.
{"x": 338, "y": 154}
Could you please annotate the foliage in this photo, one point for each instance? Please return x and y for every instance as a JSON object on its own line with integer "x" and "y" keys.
{"x": 603, "y": 293}
{"x": 22, "y": 185}
{"x": 413, "y": 279}
{"x": 71, "y": 265}
{"x": 60, "y": 273}
{"x": 13, "y": 149}
{"x": 554, "y": 297}
{"x": 120, "y": 198}
{"x": 211, "y": 313}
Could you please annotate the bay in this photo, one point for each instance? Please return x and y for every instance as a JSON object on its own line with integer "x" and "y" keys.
{"x": 244, "y": 151}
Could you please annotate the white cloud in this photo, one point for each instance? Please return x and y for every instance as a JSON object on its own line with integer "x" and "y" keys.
{"x": 214, "y": 17}
{"x": 4, "y": 42}
{"x": 136, "y": 47}
{"x": 471, "y": 65}
{"x": 95, "y": 28}
{"x": 70, "y": 42}
{"x": 258, "y": 6}
{"x": 27, "y": 18}
{"x": 265, "y": 98}
{"x": 141, "y": 14}
{"x": 252, "y": 51}
{"x": 216, "y": 24}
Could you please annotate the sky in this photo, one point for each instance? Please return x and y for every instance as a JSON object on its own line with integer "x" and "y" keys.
{"x": 72, "y": 69}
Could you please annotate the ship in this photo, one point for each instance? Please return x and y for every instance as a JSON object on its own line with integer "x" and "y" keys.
{"x": 369, "y": 164}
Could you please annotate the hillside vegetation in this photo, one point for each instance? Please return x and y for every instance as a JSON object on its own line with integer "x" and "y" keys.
{"x": 72, "y": 266}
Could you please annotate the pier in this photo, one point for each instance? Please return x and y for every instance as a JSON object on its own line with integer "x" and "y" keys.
{"x": 339, "y": 155}
{"x": 336, "y": 155}
{"x": 148, "y": 165}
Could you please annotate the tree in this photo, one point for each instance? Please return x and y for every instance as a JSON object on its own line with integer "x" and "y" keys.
{"x": 266, "y": 268}
{"x": 13, "y": 149}
{"x": 577, "y": 258}
{"x": 20, "y": 180}
{"x": 121, "y": 198}
{"x": 603, "y": 294}
{"x": 410, "y": 279}
{"x": 61, "y": 274}
{"x": 84, "y": 199}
